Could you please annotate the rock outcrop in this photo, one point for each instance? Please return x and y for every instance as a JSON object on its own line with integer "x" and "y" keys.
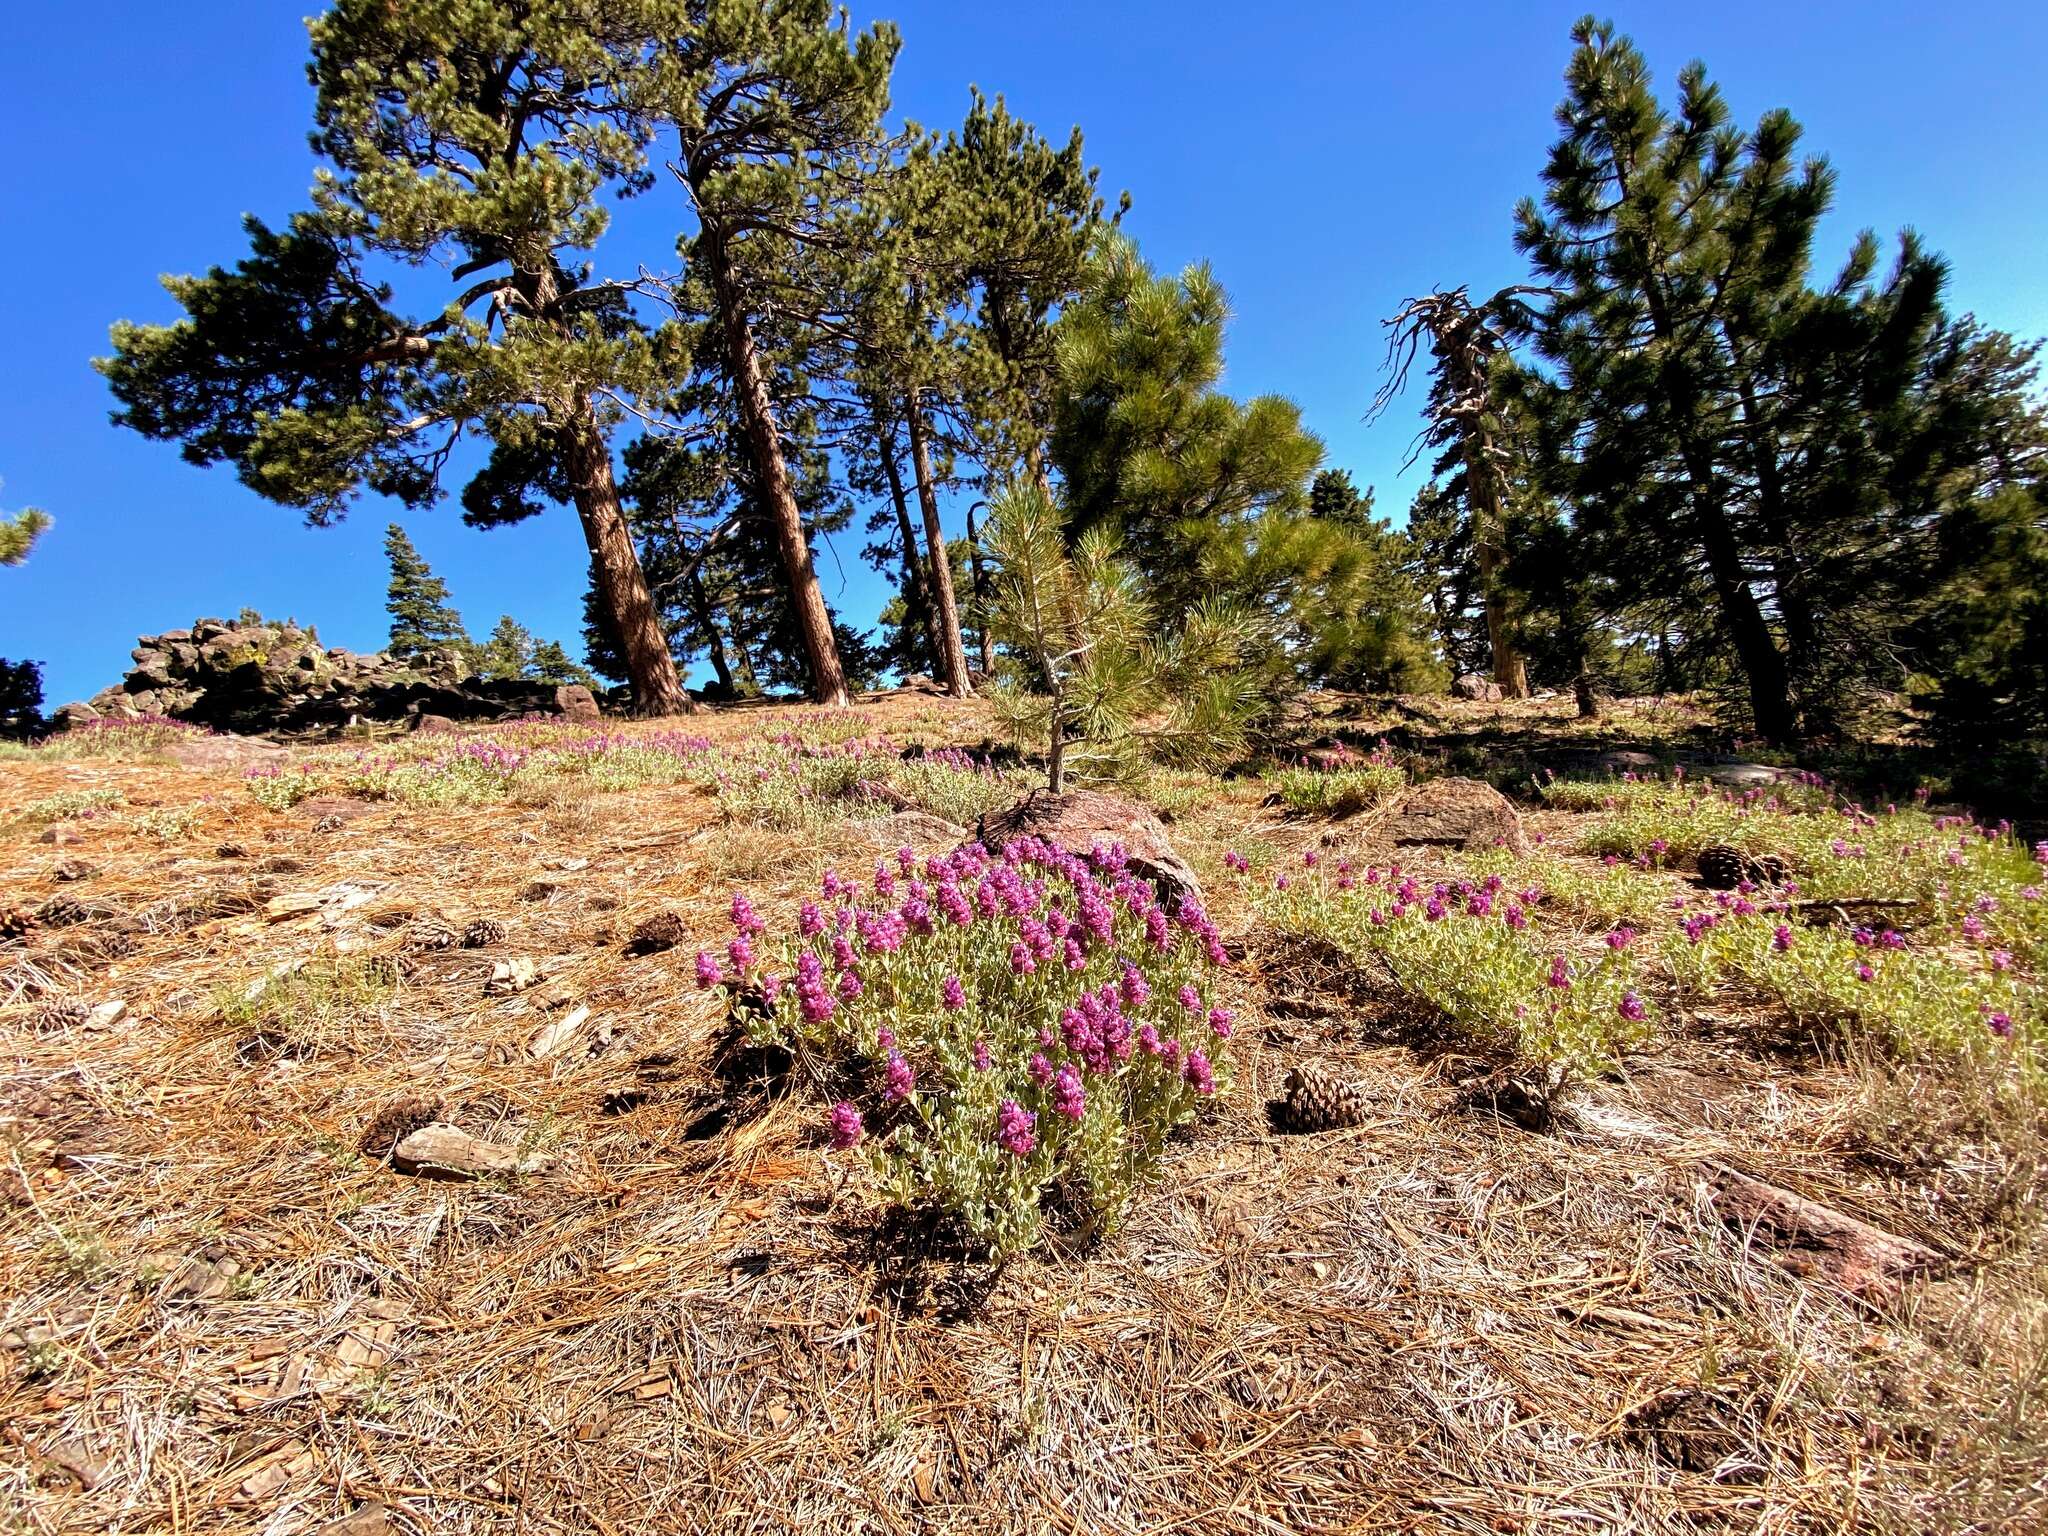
{"x": 279, "y": 677}
{"x": 1083, "y": 820}
{"x": 1455, "y": 813}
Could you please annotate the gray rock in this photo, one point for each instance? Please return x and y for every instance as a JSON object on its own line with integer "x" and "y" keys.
{"x": 1083, "y": 821}
{"x": 1455, "y": 813}
{"x": 1746, "y": 775}
{"x": 573, "y": 701}
{"x": 1479, "y": 689}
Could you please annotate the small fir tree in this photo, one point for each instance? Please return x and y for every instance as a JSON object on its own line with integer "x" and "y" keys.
{"x": 421, "y": 617}
{"x": 508, "y": 653}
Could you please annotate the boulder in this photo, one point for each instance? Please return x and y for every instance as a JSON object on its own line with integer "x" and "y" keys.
{"x": 573, "y": 701}
{"x": 1746, "y": 775}
{"x": 1084, "y": 820}
{"x": 1455, "y": 813}
{"x": 1473, "y": 686}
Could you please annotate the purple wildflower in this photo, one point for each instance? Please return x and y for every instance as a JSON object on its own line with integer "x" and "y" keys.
{"x": 902, "y": 1077}
{"x": 846, "y": 1127}
{"x": 708, "y": 974}
{"x": 1069, "y": 1098}
{"x": 1016, "y": 1128}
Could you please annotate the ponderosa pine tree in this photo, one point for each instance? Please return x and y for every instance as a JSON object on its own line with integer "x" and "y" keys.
{"x": 21, "y": 682}
{"x": 551, "y": 664}
{"x": 771, "y": 107}
{"x": 422, "y": 619}
{"x": 1022, "y": 218}
{"x": 478, "y": 137}
{"x": 1695, "y": 378}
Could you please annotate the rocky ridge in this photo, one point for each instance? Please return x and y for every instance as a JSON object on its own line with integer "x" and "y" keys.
{"x": 280, "y": 678}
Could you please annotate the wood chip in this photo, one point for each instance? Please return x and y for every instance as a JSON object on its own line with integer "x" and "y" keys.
{"x": 292, "y": 1459}
{"x": 442, "y": 1149}
{"x": 554, "y": 1037}
{"x": 509, "y": 976}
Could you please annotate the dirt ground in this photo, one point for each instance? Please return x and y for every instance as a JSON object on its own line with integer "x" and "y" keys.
{"x": 226, "y": 1311}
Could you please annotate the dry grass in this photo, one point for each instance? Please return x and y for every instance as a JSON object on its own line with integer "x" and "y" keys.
{"x": 226, "y": 1312}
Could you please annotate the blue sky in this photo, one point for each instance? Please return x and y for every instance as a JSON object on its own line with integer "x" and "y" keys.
{"x": 1328, "y": 159}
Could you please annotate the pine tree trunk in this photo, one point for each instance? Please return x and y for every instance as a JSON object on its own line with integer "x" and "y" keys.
{"x": 1483, "y": 497}
{"x": 981, "y": 598}
{"x": 615, "y": 570}
{"x": 1801, "y": 631}
{"x": 707, "y": 626}
{"x": 945, "y": 613}
{"x": 913, "y": 565}
{"x": 1770, "y": 696}
{"x": 771, "y": 476}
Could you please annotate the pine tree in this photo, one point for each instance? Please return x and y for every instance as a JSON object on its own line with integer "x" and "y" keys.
{"x": 1719, "y": 423}
{"x": 483, "y": 138}
{"x": 1093, "y": 677}
{"x": 417, "y": 600}
{"x": 21, "y": 699}
{"x": 551, "y": 664}
{"x": 1146, "y": 444}
{"x": 507, "y": 655}
{"x": 1464, "y": 418}
{"x": 771, "y": 106}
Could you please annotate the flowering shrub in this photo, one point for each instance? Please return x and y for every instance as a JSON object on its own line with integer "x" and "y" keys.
{"x": 70, "y": 805}
{"x": 792, "y": 785}
{"x": 137, "y": 736}
{"x": 485, "y": 767}
{"x": 1339, "y": 791}
{"x": 1610, "y": 891}
{"x": 1466, "y": 949}
{"x": 1011, "y": 1027}
{"x": 1914, "y": 997}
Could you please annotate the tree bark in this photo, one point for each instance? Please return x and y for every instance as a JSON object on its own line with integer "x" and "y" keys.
{"x": 1483, "y": 497}
{"x": 981, "y": 597}
{"x": 913, "y": 565}
{"x": 615, "y": 569}
{"x": 707, "y": 625}
{"x": 945, "y": 613}
{"x": 771, "y": 476}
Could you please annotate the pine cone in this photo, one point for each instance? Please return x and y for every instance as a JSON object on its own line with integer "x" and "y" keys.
{"x": 483, "y": 933}
{"x": 74, "y": 869}
{"x": 1723, "y": 868}
{"x": 15, "y": 921}
{"x": 429, "y": 934}
{"x": 63, "y": 911}
{"x": 59, "y": 1013}
{"x": 1318, "y": 1102}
